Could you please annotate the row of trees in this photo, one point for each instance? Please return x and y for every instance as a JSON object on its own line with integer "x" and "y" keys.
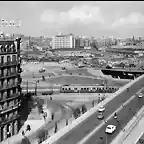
{"x": 77, "y": 112}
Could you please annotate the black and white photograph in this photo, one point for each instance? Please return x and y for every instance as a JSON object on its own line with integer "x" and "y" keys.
{"x": 71, "y": 72}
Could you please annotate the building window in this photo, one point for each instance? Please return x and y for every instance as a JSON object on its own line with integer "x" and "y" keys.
{"x": 14, "y": 82}
{"x": 8, "y": 83}
{"x": 2, "y": 60}
{"x": 5, "y": 72}
{"x": 13, "y": 47}
{"x": 10, "y": 115}
{"x": 14, "y": 58}
{"x": 9, "y": 48}
{"x": 8, "y": 59}
{"x": 2, "y": 48}
{"x": 14, "y": 70}
{"x": 8, "y": 71}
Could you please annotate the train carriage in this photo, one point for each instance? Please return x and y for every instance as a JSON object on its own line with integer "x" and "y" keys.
{"x": 88, "y": 89}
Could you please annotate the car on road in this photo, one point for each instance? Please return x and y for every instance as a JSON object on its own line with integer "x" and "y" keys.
{"x": 110, "y": 129}
{"x": 42, "y": 70}
{"x": 100, "y": 116}
{"x": 101, "y": 109}
{"x": 140, "y": 95}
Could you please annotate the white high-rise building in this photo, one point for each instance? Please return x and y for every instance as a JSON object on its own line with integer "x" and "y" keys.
{"x": 63, "y": 41}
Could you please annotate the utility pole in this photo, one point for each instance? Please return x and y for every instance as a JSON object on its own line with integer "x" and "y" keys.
{"x": 36, "y": 88}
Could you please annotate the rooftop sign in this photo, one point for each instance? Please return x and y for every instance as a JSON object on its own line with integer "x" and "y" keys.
{"x": 10, "y": 23}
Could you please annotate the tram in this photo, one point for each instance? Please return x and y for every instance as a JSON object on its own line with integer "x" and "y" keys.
{"x": 88, "y": 89}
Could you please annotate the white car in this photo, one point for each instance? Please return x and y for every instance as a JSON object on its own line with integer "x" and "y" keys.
{"x": 140, "y": 95}
{"x": 101, "y": 109}
{"x": 110, "y": 129}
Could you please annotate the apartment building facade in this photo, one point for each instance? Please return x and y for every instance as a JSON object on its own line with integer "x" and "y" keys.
{"x": 10, "y": 88}
{"x": 82, "y": 42}
{"x": 63, "y": 41}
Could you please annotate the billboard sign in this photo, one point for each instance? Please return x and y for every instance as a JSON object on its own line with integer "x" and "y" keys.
{"x": 10, "y": 23}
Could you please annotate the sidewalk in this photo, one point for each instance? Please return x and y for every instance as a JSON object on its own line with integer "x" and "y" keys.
{"x": 135, "y": 133}
{"x": 35, "y": 125}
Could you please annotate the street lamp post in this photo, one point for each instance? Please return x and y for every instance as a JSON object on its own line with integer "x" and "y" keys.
{"x": 93, "y": 103}
{"x": 27, "y": 87}
{"x": 36, "y": 87}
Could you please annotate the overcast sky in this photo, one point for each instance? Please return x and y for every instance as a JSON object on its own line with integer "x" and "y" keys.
{"x": 121, "y": 19}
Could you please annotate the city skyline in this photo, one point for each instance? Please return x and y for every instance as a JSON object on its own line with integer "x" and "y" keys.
{"x": 118, "y": 19}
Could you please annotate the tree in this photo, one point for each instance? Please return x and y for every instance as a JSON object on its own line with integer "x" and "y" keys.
{"x": 84, "y": 109}
{"x": 41, "y": 136}
{"x": 40, "y": 108}
{"x": 94, "y": 44}
{"x": 43, "y": 78}
{"x": 56, "y": 128}
{"x": 76, "y": 113}
{"x": 93, "y": 103}
{"x": 103, "y": 98}
{"x": 52, "y": 116}
{"x": 66, "y": 122}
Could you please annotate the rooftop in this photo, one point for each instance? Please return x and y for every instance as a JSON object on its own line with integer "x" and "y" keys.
{"x": 125, "y": 70}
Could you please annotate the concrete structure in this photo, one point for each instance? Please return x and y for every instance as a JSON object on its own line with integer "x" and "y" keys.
{"x": 124, "y": 102}
{"x": 10, "y": 88}
{"x": 63, "y": 41}
{"x": 123, "y": 73}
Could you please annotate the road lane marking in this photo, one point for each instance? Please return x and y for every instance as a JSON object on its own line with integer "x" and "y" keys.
{"x": 85, "y": 139}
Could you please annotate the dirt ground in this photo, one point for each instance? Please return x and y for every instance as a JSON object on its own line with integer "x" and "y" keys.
{"x": 55, "y": 75}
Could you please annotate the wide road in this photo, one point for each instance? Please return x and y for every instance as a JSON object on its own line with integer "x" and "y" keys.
{"x": 80, "y": 132}
{"x": 124, "y": 116}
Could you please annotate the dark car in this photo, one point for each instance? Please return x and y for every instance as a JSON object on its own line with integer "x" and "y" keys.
{"x": 100, "y": 116}
{"x": 48, "y": 92}
{"x": 42, "y": 70}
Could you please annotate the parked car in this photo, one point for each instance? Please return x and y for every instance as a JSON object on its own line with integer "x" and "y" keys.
{"x": 110, "y": 129}
{"x": 101, "y": 109}
{"x": 100, "y": 116}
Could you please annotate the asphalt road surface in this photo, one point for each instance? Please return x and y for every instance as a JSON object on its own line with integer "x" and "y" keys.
{"x": 81, "y": 131}
{"x": 124, "y": 116}
{"x": 141, "y": 140}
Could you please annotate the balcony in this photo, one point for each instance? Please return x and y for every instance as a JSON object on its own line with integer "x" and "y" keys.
{"x": 5, "y": 121}
{"x": 12, "y": 74}
{"x": 7, "y": 50}
{"x": 10, "y": 108}
{"x": 9, "y": 87}
{"x": 11, "y": 97}
{"x": 8, "y": 64}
